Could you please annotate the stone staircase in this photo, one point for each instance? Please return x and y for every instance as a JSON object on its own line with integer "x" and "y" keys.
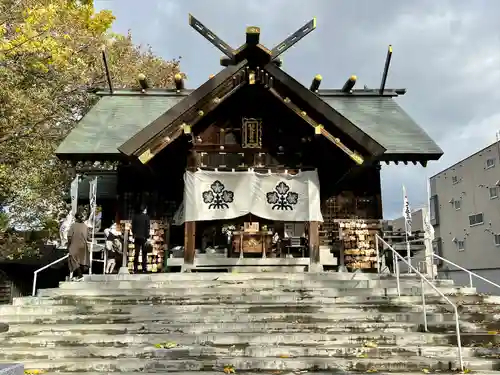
{"x": 250, "y": 323}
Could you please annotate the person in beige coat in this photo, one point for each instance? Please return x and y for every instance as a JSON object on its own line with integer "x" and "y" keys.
{"x": 78, "y": 247}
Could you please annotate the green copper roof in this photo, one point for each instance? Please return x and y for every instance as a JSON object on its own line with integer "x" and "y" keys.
{"x": 116, "y": 118}
{"x": 112, "y": 121}
{"x": 386, "y": 122}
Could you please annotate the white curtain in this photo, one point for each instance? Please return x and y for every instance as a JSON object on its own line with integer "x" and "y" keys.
{"x": 213, "y": 195}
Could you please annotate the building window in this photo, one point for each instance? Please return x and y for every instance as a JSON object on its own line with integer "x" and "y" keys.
{"x": 461, "y": 245}
{"x": 493, "y": 192}
{"x": 434, "y": 207}
{"x": 475, "y": 219}
{"x": 497, "y": 239}
{"x": 490, "y": 163}
{"x": 454, "y": 179}
{"x": 457, "y": 204}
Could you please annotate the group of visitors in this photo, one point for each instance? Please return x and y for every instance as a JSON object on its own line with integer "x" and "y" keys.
{"x": 79, "y": 239}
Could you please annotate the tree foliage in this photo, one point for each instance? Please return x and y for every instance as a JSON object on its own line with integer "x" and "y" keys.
{"x": 50, "y": 56}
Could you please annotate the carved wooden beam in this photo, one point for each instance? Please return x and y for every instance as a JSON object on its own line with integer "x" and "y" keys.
{"x": 318, "y": 128}
{"x": 184, "y": 123}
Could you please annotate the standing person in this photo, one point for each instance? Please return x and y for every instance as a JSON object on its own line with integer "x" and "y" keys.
{"x": 140, "y": 230}
{"x": 113, "y": 247}
{"x": 78, "y": 247}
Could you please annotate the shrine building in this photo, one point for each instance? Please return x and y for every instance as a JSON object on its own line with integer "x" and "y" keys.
{"x": 250, "y": 168}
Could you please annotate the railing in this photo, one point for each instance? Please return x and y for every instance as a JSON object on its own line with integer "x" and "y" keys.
{"x": 35, "y": 274}
{"x": 470, "y": 273}
{"x": 422, "y": 280}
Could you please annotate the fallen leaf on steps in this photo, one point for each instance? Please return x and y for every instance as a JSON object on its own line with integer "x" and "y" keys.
{"x": 166, "y": 345}
{"x": 370, "y": 344}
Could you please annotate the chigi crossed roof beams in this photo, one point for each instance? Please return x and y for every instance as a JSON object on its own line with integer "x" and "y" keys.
{"x": 254, "y": 64}
{"x": 251, "y": 64}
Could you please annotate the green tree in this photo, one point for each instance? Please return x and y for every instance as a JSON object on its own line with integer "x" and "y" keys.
{"x": 50, "y": 58}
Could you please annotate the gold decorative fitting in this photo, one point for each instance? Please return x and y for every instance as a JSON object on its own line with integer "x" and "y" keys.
{"x": 186, "y": 128}
{"x": 216, "y": 100}
{"x": 303, "y": 113}
{"x": 317, "y": 129}
{"x": 146, "y": 156}
{"x": 251, "y": 78}
{"x": 357, "y": 158}
{"x": 286, "y": 100}
{"x": 201, "y": 113}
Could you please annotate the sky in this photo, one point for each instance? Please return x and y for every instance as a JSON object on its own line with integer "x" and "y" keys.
{"x": 446, "y": 54}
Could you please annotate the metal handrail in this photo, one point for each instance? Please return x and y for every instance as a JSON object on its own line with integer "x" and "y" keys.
{"x": 422, "y": 280}
{"x": 463, "y": 269}
{"x": 35, "y": 274}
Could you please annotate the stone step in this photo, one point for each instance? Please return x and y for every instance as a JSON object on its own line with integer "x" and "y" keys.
{"x": 183, "y": 277}
{"x": 251, "y": 299}
{"x": 173, "y": 311}
{"x": 204, "y": 328}
{"x": 254, "y": 284}
{"x": 77, "y": 340}
{"x": 482, "y": 372}
{"x": 245, "y": 364}
{"x": 188, "y": 292}
{"x": 221, "y": 316}
{"x": 249, "y": 351}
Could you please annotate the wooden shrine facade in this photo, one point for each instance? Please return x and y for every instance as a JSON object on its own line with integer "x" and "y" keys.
{"x": 253, "y": 115}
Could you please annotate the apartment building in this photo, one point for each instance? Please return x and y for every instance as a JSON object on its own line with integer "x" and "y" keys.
{"x": 465, "y": 213}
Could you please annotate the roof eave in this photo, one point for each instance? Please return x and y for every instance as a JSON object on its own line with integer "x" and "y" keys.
{"x": 316, "y": 103}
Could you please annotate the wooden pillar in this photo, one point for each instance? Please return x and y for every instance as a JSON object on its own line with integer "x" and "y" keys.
{"x": 190, "y": 226}
{"x": 189, "y": 242}
{"x": 314, "y": 242}
{"x": 378, "y": 195}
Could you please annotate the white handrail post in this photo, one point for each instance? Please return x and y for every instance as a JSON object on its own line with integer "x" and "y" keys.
{"x": 35, "y": 274}
{"x": 470, "y": 273}
{"x": 378, "y": 257}
{"x": 423, "y": 304}
{"x": 423, "y": 278}
{"x": 459, "y": 339}
{"x": 432, "y": 266}
{"x": 397, "y": 279}
{"x": 471, "y": 283}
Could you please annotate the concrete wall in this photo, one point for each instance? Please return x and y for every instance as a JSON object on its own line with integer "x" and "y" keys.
{"x": 461, "y": 278}
{"x": 465, "y": 189}
{"x": 417, "y": 223}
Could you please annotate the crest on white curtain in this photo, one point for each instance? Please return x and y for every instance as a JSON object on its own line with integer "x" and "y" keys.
{"x": 282, "y": 198}
{"x": 218, "y": 197}
{"x": 222, "y": 195}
